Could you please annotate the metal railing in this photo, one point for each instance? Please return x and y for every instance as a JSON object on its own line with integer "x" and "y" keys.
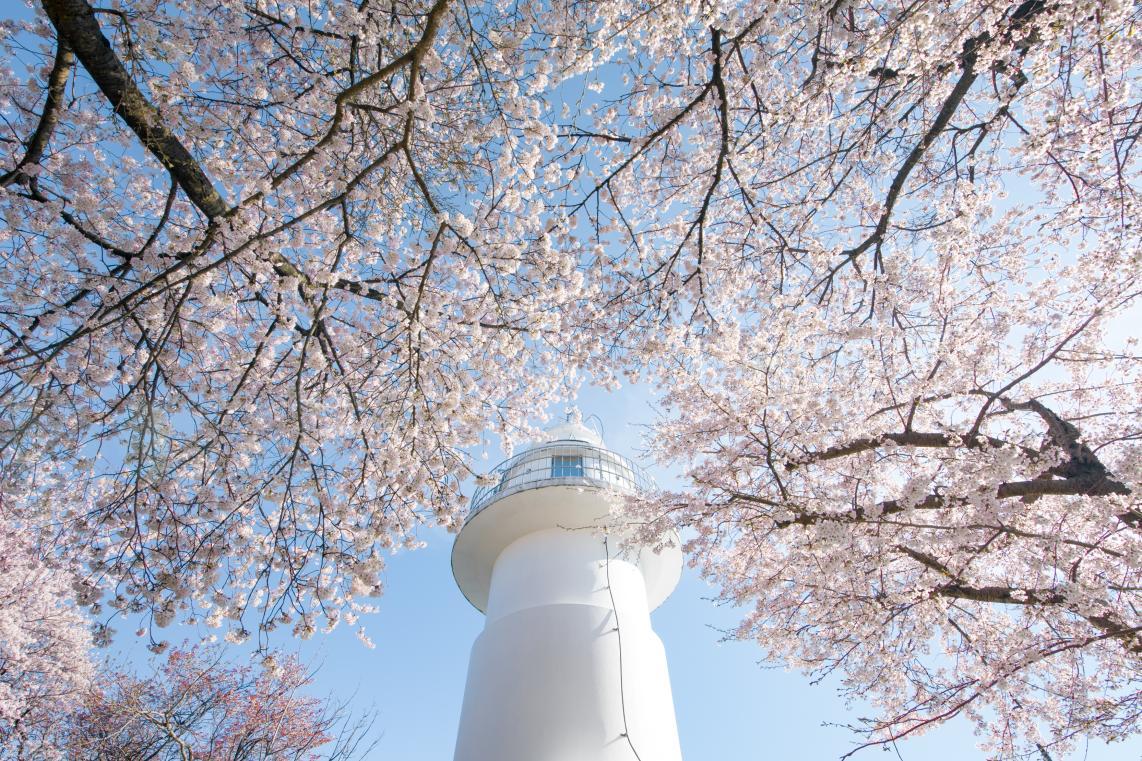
{"x": 561, "y": 463}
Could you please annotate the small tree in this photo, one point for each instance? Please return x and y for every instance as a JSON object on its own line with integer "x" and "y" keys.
{"x": 199, "y": 707}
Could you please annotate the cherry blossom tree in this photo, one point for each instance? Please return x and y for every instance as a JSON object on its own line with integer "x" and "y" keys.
{"x": 44, "y": 646}
{"x": 269, "y": 270}
{"x": 195, "y": 706}
{"x": 199, "y": 707}
{"x": 879, "y": 258}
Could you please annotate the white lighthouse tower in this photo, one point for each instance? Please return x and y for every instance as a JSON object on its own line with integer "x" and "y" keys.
{"x": 567, "y": 667}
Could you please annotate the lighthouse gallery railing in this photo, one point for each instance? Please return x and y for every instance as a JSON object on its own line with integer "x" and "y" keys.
{"x": 570, "y": 463}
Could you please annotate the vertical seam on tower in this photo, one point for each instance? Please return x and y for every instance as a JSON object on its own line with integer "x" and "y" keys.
{"x": 619, "y": 637}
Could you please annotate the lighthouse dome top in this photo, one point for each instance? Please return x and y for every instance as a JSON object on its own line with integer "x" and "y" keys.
{"x": 573, "y": 430}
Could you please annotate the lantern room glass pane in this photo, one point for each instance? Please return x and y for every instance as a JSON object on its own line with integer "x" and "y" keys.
{"x": 566, "y": 465}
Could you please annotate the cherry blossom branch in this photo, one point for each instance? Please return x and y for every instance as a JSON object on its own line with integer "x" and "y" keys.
{"x": 49, "y": 117}
{"x": 906, "y": 438}
{"x": 79, "y": 29}
{"x": 1107, "y": 623}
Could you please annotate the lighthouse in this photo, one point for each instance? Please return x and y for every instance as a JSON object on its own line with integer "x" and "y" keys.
{"x": 567, "y": 667}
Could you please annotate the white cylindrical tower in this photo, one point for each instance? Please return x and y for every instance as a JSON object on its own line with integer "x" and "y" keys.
{"x": 567, "y": 667}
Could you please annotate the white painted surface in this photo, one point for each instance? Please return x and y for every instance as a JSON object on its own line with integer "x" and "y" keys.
{"x": 559, "y": 567}
{"x": 576, "y": 431}
{"x": 568, "y": 667}
{"x": 577, "y": 508}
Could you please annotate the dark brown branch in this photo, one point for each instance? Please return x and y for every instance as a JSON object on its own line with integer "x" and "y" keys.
{"x": 1081, "y": 474}
{"x": 1027, "y": 490}
{"x": 1081, "y": 460}
{"x": 410, "y": 58}
{"x": 1042, "y": 487}
{"x": 644, "y": 144}
{"x": 967, "y": 63}
{"x": 943, "y": 118}
{"x": 78, "y": 27}
{"x": 53, "y": 104}
{"x": 907, "y": 438}
{"x": 1108, "y": 624}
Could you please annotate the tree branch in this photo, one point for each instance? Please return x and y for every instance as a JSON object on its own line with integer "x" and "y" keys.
{"x": 77, "y": 26}
{"x": 38, "y": 142}
{"x": 906, "y": 438}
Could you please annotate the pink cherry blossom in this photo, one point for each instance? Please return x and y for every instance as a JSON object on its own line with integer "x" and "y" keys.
{"x": 44, "y": 646}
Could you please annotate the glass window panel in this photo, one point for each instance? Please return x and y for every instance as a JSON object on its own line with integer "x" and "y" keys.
{"x": 566, "y": 465}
